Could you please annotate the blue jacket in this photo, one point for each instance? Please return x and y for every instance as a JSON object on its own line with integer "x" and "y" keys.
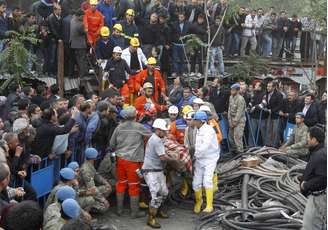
{"x": 187, "y": 101}
{"x": 91, "y": 128}
{"x": 108, "y": 13}
{"x": 76, "y": 139}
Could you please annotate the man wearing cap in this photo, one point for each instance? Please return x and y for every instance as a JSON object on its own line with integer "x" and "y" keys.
{"x": 130, "y": 29}
{"x": 152, "y": 75}
{"x": 128, "y": 143}
{"x": 173, "y": 112}
{"x": 52, "y": 213}
{"x": 104, "y": 46}
{"x": 207, "y": 153}
{"x": 117, "y": 69}
{"x": 93, "y": 20}
{"x": 67, "y": 178}
{"x": 134, "y": 56}
{"x": 78, "y": 42}
{"x": 147, "y": 97}
{"x": 90, "y": 179}
{"x": 153, "y": 171}
{"x": 117, "y": 37}
{"x": 236, "y": 118}
{"x": 296, "y": 145}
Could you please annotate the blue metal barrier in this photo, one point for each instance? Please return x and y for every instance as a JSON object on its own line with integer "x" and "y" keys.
{"x": 42, "y": 179}
{"x": 288, "y": 130}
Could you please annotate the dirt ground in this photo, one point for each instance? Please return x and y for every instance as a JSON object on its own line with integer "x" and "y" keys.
{"x": 180, "y": 219}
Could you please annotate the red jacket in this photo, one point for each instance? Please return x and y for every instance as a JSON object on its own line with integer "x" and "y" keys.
{"x": 140, "y": 102}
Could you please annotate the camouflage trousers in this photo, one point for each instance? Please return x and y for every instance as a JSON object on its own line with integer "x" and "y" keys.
{"x": 97, "y": 202}
{"x": 156, "y": 182}
{"x": 236, "y": 138}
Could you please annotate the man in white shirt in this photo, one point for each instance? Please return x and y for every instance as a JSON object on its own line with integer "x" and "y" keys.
{"x": 249, "y": 33}
{"x": 207, "y": 153}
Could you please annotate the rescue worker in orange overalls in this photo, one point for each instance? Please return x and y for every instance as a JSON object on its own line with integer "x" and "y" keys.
{"x": 93, "y": 20}
{"x": 152, "y": 75}
{"x": 147, "y": 97}
{"x": 212, "y": 122}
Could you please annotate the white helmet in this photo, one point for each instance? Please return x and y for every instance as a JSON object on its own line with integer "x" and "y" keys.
{"x": 189, "y": 115}
{"x": 117, "y": 49}
{"x": 198, "y": 101}
{"x": 205, "y": 108}
{"x": 173, "y": 110}
{"x": 160, "y": 124}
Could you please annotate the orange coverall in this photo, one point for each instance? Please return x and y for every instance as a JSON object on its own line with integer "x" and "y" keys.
{"x": 159, "y": 84}
{"x": 93, "y": 21}
{"x": 140, "y": 102}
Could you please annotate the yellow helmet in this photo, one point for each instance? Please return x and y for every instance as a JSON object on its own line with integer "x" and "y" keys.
{"x": 134, "y": 42}
{"x": 125, "y": 106}
{"x": 147, "y": 85}
{"x": 118, "y": 27}
{"x": 104, "y": 31}
{"x": 93, "y": 2}
{"x": 186, "y": 109}
{"x": 151, "y": 61}
{"x": 130, "y": 12}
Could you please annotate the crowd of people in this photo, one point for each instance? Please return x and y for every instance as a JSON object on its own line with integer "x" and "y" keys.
{"x": 140, "y": 132}
{"x": 161, "y": 28}
{"x": 115, "y": 147}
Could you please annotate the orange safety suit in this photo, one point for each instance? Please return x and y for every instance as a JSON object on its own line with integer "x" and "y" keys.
{"x": 177, "y": 129}
{"x": 93, "y": 21}
{"x": 159, "y": 83}
{"x": 140, "y": 102}
{"x": 217, "y": 128}
{"x": 127, "y": 177}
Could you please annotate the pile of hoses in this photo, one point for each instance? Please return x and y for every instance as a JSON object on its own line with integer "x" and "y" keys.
{"x": 263, "y": 197}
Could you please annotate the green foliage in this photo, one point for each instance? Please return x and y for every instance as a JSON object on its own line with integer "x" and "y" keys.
{"x": 14, "y": 58}
{"x": 251, "y": 66}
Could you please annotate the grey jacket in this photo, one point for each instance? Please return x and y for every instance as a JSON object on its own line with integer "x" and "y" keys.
{"x": 77, "y": 34}
{"x": 128, "y": 141}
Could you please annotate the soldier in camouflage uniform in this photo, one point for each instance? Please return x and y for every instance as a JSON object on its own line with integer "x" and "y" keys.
{"x": 52, "y": 215}
{"x": 237, "y": 119}
{"x": 296, "y": 145}
{"x": 107, "y": 170}
{"x": 67, "y": 177}
{"x": 91, "y": 180}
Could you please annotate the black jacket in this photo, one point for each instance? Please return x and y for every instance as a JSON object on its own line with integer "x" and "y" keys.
{"x": 116, "y": 71}
{"x": 322, "y": 113}
{"x": 274, "y": 104}
{"x": 219, "y": 39}
{"x": 188, "y": 28}
{"x": 220, "y": 99}
{"x": 149, "y": 34}
{"x": 315, "y": 174}
{"x": 256, "y": 100}
{"x": 312, "y": 115}
{"x": 290, "y": 107}
{"x": 45, "y": 136}
{"x": 55, "y": 27}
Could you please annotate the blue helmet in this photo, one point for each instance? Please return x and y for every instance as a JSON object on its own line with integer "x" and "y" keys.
{"x": 200, "y": 116}
{"x": 235, "y": 86}
{"x": 67, "y": 173}
{"x": 91, "y": 153}
{"x": 65, "y": 192}
{"x": 73, "y": 165}
{"x": 71, "y": 208}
